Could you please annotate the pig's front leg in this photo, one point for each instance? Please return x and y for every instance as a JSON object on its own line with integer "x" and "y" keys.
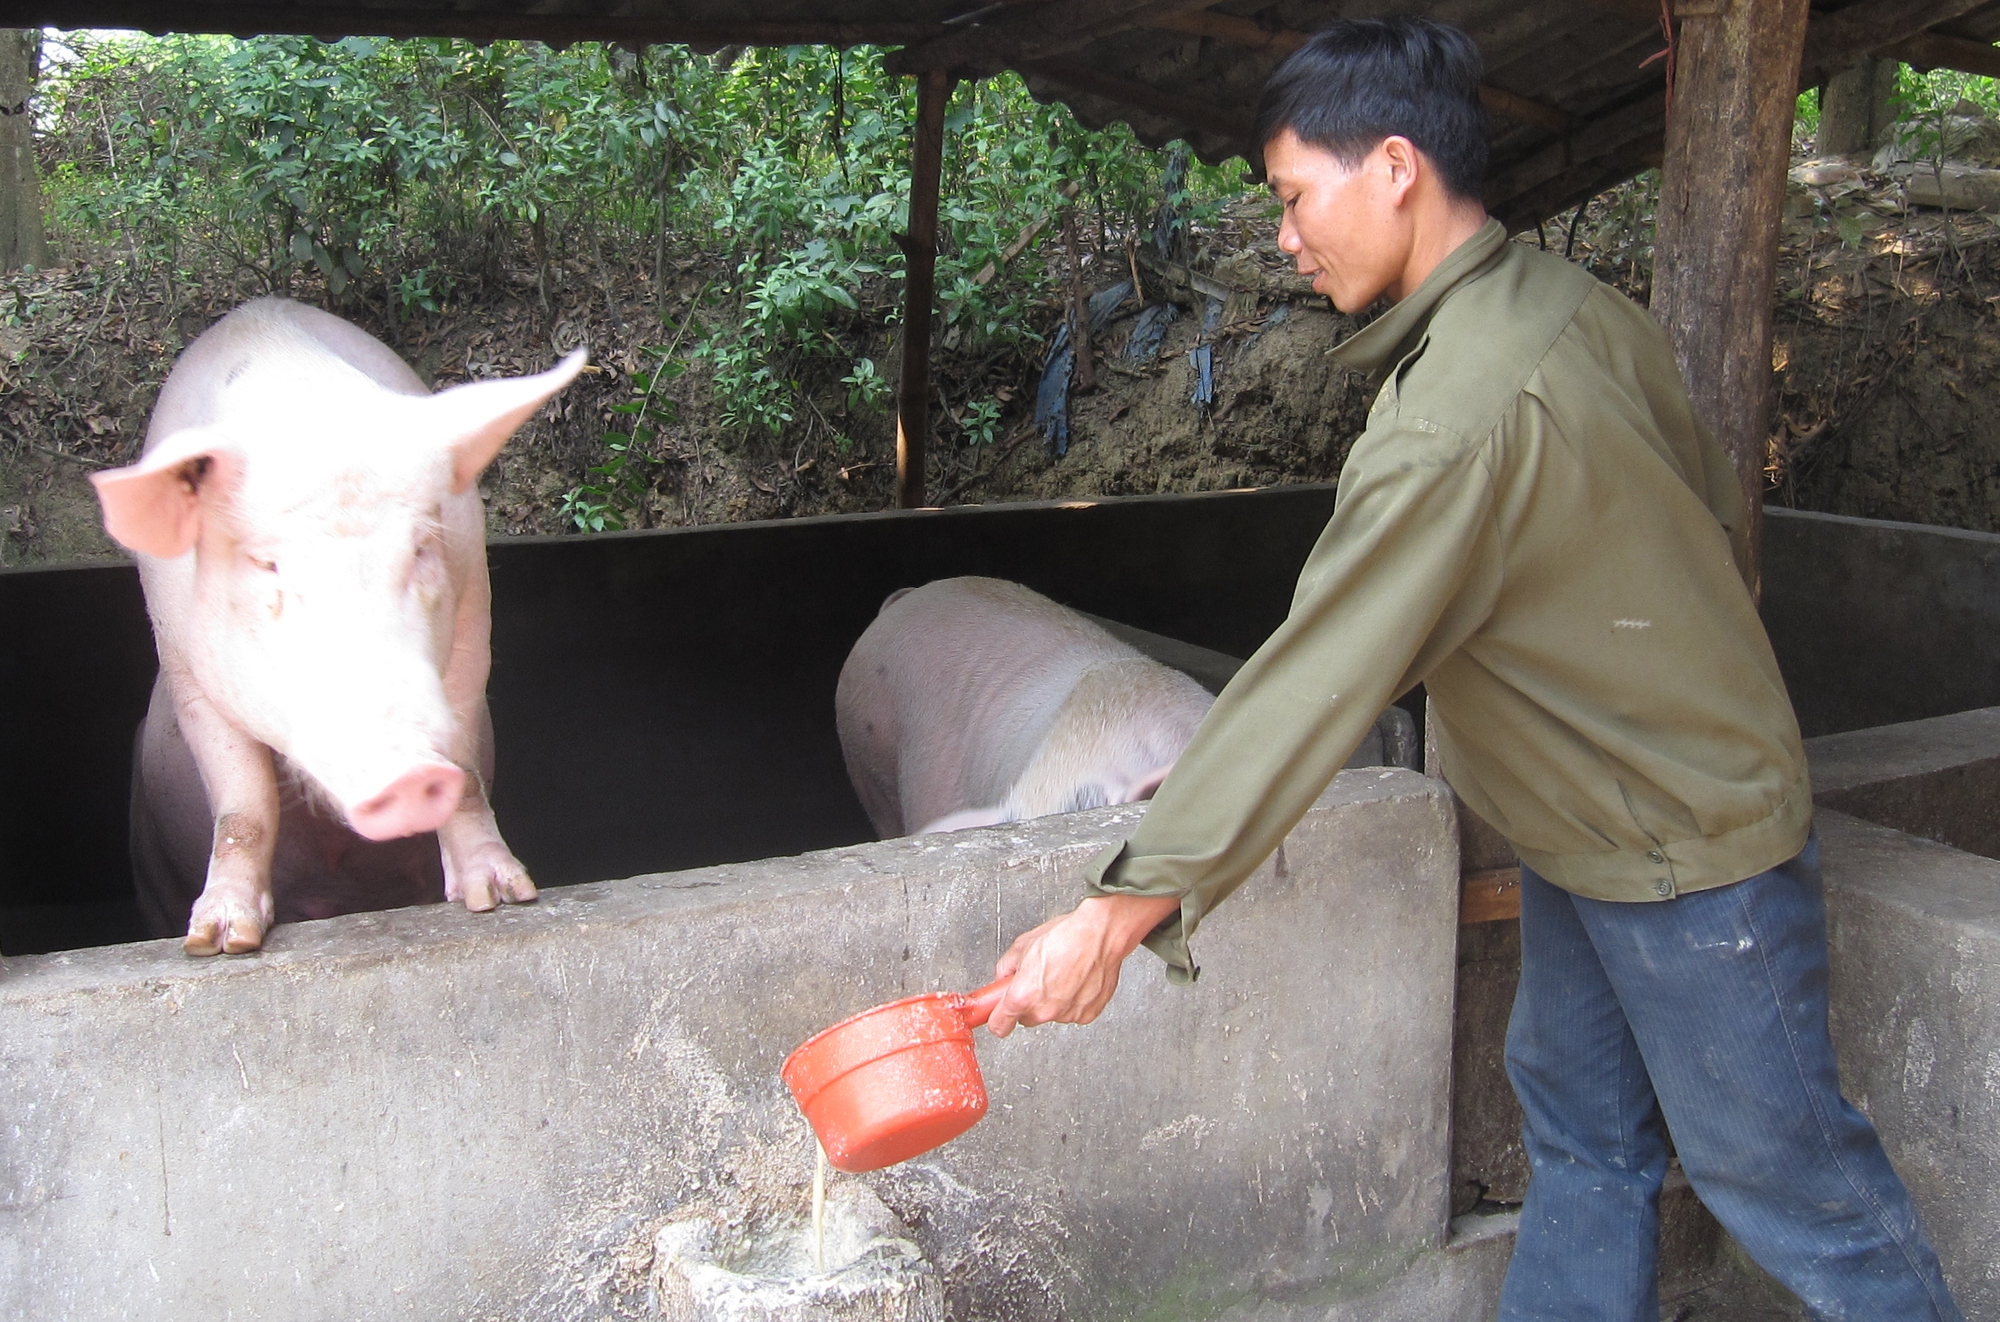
{"x": 234, "y": 909}
{"x": 479, "y": 869}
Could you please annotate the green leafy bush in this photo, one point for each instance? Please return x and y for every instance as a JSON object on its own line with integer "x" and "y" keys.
{"x": 402, "y": 175}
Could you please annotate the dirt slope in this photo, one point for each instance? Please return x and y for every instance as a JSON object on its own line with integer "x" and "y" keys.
{"x": 1887, "y": 357}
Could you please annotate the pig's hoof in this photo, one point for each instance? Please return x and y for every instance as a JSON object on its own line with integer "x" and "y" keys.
{"x": 220, "y": 926}
{"x": 491, "y": 876}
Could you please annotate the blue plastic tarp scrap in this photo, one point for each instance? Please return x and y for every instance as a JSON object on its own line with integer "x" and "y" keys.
{"x": 1149, "y": 332}
{"x": 1052, "y": 395}
{"x": 1202, "y": 356}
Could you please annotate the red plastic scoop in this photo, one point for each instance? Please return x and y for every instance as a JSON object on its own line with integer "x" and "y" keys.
{"x": 895, "y": 1081}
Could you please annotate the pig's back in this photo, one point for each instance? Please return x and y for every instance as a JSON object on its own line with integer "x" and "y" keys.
{"x": 948, "y": 695}
{"x": 313, "y": 355}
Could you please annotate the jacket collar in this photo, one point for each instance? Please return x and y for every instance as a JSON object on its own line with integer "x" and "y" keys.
{"x": 1386, "y": 339}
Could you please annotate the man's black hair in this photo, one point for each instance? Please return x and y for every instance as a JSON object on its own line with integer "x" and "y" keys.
{"x": 1363, "y": 80}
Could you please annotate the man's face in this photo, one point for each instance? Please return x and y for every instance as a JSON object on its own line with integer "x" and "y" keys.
{"x": 1345, "y": 226}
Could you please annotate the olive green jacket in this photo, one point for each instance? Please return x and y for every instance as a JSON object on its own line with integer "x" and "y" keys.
{"x": 1535, "y": 527}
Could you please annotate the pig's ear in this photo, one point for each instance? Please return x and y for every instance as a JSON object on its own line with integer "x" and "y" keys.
{"x": 1149, "y": 784}
{"x": 154, "y": 506}
{"x": 477, "y": 419}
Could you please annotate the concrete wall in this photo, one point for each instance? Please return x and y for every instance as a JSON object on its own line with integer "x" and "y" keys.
{"x": 662, "y": 699}
{"x": 429, "y": 1114}
{"x": 1914, "y": 923}
{"x": 1878, "y": 622}
{"x": 1937, "y": 778}
{"x": 1915, "y": 931}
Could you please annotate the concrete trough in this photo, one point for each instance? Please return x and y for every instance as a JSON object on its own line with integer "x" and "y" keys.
{"x": 425, "y": 1113}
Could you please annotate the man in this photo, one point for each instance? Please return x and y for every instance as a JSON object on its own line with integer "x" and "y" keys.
{"x": 1535, "y": 526}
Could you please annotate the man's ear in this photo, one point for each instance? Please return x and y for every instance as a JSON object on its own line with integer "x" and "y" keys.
{"x": 1402, "y": 163}
{"x": 154, "y": 506}
{"x": 476, "y": 419}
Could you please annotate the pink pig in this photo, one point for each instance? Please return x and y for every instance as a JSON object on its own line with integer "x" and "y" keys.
{"x": 971, "y": 701}
{"x": 313, "y": 552}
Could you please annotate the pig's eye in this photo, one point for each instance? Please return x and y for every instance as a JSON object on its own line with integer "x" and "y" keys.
{"x": 268, "y": 566}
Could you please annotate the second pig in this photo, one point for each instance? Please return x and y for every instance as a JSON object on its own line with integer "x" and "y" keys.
{"x": 971, "y": 701}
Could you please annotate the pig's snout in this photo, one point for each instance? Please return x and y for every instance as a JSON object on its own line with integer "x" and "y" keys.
{"x": 420, "y": 799}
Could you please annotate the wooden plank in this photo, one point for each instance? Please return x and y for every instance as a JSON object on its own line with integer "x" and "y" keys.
{"x": 1560, "y": 195}
{"x": 1637, "y": 11}
{"x": 1722, "y": 195}
{"x": 1936, "y": 50}
{"x": 1507, "y": 105}
{"x": 1245, "y": 32}
{"x": 1030, "y": 34}
{"x": 1838, "y": 39}
{"x": 1609, "y": 135}
{"x": 1492, "y": 895}
{"x": 913, "y": 391}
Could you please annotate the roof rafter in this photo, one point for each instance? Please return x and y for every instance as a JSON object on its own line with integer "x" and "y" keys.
{"x": 1939, "y": 50}
{"x": 1636, "y": 124}
{"x": 1031, "y": 34}
{"x": 1142, "y": 96}
{"x": 1253, "y": 35}
{"x": 1836, "y": 40}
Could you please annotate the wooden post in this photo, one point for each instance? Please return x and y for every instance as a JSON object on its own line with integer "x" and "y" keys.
{"x": 913, "y": 391}
{"x": 1855, "y": 110}
{"x": 1722, "y": 193}
{"x": 22, "y": 239}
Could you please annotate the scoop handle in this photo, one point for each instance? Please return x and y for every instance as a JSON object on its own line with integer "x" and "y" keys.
{"x": 979, "y": 1006}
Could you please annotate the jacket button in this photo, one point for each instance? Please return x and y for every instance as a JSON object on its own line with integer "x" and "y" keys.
{"x": 1663, "y": 887}
{"x": 1657, "y": 856}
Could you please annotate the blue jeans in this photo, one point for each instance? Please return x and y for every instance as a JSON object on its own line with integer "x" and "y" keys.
{"x": 1705, "y": 1014}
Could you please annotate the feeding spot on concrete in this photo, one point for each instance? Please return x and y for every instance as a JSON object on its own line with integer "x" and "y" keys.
{"x": 1631, "y": 624}
{"x": 759, "y": 1266}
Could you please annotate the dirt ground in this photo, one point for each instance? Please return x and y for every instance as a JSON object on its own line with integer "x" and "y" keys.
{"x": 1886, "y": 363}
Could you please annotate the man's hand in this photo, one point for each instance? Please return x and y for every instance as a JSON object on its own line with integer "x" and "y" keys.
{"x": 1066, "y": 970}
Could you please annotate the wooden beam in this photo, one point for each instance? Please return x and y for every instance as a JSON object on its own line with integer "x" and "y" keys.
{"x": 1640, "y": 121}
{"x": 1229, "y": 123}
{"x": 1936, "y": 50}
{"x": 913, "y": 392}
{"x": 1245, "y": 32}
{"x": 1722, "y": 194}
{"x": 1031, "y": 34}
{"x": 1253, "y": 35}
{"x": 1837, "y": 40}
{"x": 1491, "y": 895}
{"x": 1637, "y": 11}
{"x": 250, "y": 19}
{"x": 1557, "y": 197}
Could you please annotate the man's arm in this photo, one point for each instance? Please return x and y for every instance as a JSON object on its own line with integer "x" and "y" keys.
{"x": 1405, "y": 571}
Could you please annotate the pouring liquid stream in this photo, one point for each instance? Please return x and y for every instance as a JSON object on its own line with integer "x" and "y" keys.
{"x": 819, "y": 1208}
